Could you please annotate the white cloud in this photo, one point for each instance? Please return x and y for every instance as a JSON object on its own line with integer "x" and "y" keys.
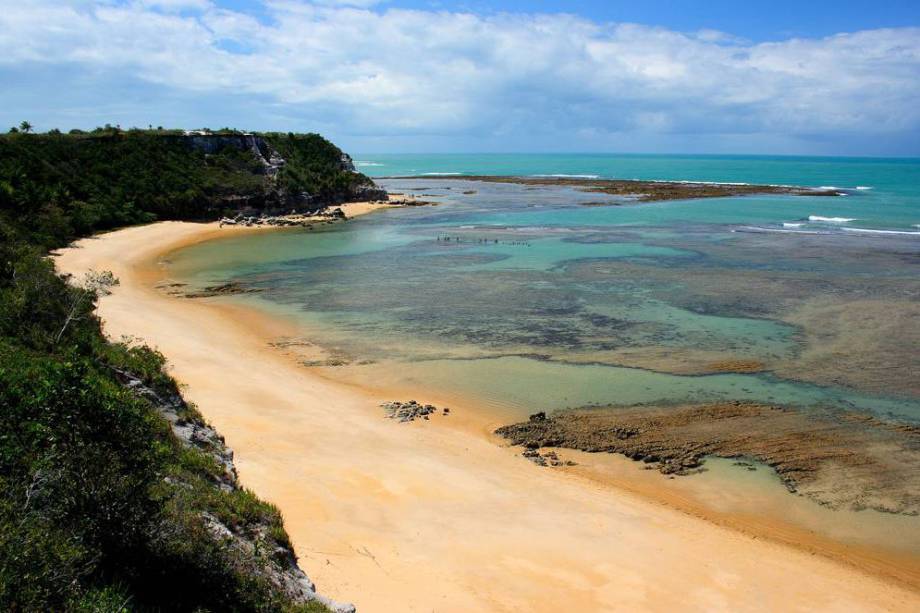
{"x": 386, "y": 71}
{"x": 175, "y": 5}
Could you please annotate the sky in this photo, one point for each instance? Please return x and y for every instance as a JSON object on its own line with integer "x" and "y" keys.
{"x": 809, "y": 77}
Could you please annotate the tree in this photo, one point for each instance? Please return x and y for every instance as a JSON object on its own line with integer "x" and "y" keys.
{"x": 95, "y": 284}
{"x": 25, "y": 126}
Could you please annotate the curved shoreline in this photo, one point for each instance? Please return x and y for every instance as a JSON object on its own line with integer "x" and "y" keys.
{"x": 436, "y": 515}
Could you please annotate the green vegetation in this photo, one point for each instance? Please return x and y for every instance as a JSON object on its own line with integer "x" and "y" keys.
{"x": 61, "y": 186}
{"x": 102, "y": 508}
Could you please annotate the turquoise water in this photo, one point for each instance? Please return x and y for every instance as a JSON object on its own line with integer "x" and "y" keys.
{"x": 527, "y": 299}
{"x": 890, "y": 184}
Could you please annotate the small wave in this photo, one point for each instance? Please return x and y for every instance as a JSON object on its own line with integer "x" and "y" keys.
{"x": 863, "y": 188}
{"x": 757, "y": 229}
{"x": 363, "y": 163}
{"x": 563, "y": 176}
{"x": 830, "y": 219}
{"x": 870, "y": 231}
{"x": 795, "y": 228}
{"x": 442, "y": 174}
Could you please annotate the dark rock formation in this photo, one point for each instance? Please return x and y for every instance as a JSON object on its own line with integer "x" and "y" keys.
{"x": 410, "y": 411}
{"x": 649, "y": 191}
{"x": 839, "y": 459}
{"x": 347, "y": 163}
{"x": 277, "y": 198}
{"x": 368, "y": 193}
{"x": 224, "y": 289}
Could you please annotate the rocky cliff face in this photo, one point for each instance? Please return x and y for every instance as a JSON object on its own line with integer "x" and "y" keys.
{"x": 261, "y": 150}
{"x": 347, "y": 163}
{"x": 280, "y": 568}
{"x": 277, "y": 198}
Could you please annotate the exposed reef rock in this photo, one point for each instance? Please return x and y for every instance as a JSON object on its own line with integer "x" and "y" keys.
{"x": 839, "y": 459}
{"x": 280, "y": 568}
{"x": 649, "y": 191}
{"x": 224, "y": 289}
{"x": 410, "y": 411}
{"x": 550, "y": 458}
{"x": 739, "y": 366}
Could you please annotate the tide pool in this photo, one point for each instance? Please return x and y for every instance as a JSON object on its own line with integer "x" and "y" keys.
{"x": 531, "y": 299}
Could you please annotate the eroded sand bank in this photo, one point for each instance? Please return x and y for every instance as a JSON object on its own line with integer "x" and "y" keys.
{"x": 435, "y": 515}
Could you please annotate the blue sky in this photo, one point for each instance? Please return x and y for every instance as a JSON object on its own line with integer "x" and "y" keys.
{"x": 776, "y": 20}
{"x": 760, "y": 21}
{"x": 806, "y": 77}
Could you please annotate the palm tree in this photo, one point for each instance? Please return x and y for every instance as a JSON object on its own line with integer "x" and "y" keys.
{"x": 25, "y": 126}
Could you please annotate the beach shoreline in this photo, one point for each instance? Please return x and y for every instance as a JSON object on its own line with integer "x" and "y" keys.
{"x": 430, "y": 515}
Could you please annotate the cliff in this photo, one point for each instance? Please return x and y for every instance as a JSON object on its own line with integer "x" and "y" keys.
{"x": 108, "y": 179}
{"x": 256, "y": 548}
{"x": 285, "y": 190}
{"x": 114, "y": 493}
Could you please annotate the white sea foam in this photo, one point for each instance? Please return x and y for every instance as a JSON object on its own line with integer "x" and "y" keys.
{"x": 776, "y": 230}
{"x": 563, "y": 176}
{"x": 442, "y": 174}
{"x": 863, "y": 188}
{"x": 870, "y": 231}
{"x": 791, "y": 228}
{"x": 830, "y": 219}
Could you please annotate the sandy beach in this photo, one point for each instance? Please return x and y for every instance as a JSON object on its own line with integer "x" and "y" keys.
{"x": 438, "y": 515}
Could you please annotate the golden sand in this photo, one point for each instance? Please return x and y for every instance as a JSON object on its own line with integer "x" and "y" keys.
{"x": 434, "y": 515}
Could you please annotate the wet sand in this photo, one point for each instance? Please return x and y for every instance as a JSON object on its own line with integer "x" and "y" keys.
{"x": 435, "y": 515}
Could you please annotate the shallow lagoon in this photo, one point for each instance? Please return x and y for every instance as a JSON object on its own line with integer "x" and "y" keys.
{"x": 527, "y": 299}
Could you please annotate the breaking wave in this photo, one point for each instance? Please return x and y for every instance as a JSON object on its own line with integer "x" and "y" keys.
{"x": 830, "y": 219}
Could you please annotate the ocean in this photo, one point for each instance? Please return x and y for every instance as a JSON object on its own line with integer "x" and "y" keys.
{"x": 530, "y": 298}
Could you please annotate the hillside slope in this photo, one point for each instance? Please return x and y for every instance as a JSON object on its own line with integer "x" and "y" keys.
{"x": 67, "y": 185}
{"x": 115, "y": 495}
